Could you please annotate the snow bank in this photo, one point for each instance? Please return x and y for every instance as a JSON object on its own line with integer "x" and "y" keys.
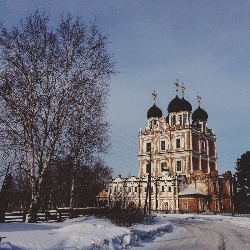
{"x": 87, "y": 232}
{"x": 137, "y": 235}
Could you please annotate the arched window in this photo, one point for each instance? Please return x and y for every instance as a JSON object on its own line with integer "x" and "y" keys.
{"x": 178, "y": 143}
{"x": 148, "y": 146}
{"x": 163, "y": 145}
{"x": 180, "y": 119}
{"x": 178, "y": 166}
{"x": 203, "y": 145}
{"x": 166, "y": 205}
{"x": 184, "y": 119}
{"x": 173, "y": 120}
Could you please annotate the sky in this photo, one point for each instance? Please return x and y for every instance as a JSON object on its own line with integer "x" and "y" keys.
{"x": 204, "y": 44}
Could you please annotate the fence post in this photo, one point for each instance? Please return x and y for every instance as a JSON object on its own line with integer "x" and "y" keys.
{"x": 2, "y": 215}
{"x": 60, "y": 216}
{"x": 24, "y": 216}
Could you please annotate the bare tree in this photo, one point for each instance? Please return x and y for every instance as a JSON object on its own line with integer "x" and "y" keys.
{"x": 45, "y": 76}
{"x": 87, "y": 134}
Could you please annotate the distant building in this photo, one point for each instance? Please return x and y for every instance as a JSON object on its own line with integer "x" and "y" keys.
{"x": 179, "y": 153}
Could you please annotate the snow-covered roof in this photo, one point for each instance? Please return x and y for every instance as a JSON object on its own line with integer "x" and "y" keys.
{"x": 190, "y": 190}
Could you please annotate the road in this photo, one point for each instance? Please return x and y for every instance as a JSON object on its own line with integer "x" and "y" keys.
{"x": 200, "y": 234}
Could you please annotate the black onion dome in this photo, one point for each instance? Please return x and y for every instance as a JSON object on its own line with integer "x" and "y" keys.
{"x": 154, "y": 111}
{"x": 178, "y": 104}
{"x": 199, "y": 114}
{"x": 175, "y": 105}
{"x": 186, "y": 106}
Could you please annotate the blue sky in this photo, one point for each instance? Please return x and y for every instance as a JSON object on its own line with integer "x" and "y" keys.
{"x": 205, "y": 44}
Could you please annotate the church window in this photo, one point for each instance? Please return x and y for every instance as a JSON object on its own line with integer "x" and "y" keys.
{"x": 147, "y": 168}
{"x": 180, "y": 119}
{"x": 162, "y": 188}
{"x": 115, "y": 189}
{"x": 184, "y": 119}
{"x": 173, "y": 120}
{"x": 166, "y": 206}
{"x": 178, "y": 165}
{"x": 135, "y": 189}
{"x": 169, "y": 189}
{"x": 163, "y": 166}
{"x": 148, "y": 147}
{"x": 162, "y": 145}
{"x": 203, "y": 145}
{"x": 185, "y": 206}
{"x": 178, "y": 143}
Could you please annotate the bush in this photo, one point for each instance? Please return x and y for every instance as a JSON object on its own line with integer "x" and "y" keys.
{"x": 125, "y": 216}
{"x": 149, "y": 219}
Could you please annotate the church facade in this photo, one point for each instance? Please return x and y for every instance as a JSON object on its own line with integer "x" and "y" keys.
{"x": 178, "y": 154}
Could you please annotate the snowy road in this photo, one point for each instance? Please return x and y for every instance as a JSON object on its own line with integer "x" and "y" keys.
{"x": 202, "y": 234}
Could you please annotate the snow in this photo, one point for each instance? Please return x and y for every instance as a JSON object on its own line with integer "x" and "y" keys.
{"x": 92, "y": 233}
{"x": 190, "y": 190}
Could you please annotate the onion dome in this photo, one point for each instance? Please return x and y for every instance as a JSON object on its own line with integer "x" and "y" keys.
{"x": 154, "y": 111}
{"x": 178, "y": 104}
{"x": 199, "y": 114}
{"x": 174, "y": 105}
{"x": 186, "y": 106}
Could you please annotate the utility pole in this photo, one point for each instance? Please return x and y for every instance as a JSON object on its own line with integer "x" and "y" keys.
{"x": 149, "y": 180}
{"x": 148, "y": 186}
{"x": 139, "y": 192}
{"x": 156, "y": 196}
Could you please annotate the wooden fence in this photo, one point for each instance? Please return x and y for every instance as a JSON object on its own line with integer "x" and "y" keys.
{"x": 59, "y": 214}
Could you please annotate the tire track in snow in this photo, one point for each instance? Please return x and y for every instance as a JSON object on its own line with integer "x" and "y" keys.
{"x": 202, "y": 234}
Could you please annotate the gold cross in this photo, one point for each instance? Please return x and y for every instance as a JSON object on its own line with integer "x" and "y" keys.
{"x": 183, "y": 89}
{"x": 199, "y": 99}
{"x": 154, "y": 96}
{"x": 177, "y": 86}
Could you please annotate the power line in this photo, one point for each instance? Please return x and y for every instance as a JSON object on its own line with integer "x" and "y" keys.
{"x": 124, "y": 145}
{"x": 122, "y": 138}
{"x": 123, "y": 131}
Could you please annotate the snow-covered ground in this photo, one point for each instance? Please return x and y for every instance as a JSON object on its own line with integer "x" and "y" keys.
{"x": 89, "y": 232}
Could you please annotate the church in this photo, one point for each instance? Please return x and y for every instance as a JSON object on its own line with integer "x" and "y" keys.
{"x": 177, "y": 163}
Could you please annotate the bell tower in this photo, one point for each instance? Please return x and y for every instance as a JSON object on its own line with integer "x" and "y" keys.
{"x": 177, "y": 146}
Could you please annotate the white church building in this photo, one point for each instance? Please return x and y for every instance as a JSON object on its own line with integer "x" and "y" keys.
{"x": 178, "y": 154}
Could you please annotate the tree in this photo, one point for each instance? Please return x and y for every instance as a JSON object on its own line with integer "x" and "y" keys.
{"x": 88, "y": 182}
{"x": 87, "y": 141}
{"x": 46, "y": 76}
{"x": 243, "y": 178}
{"x": 91, "y": 180}
{"x": 6, "y": 190}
